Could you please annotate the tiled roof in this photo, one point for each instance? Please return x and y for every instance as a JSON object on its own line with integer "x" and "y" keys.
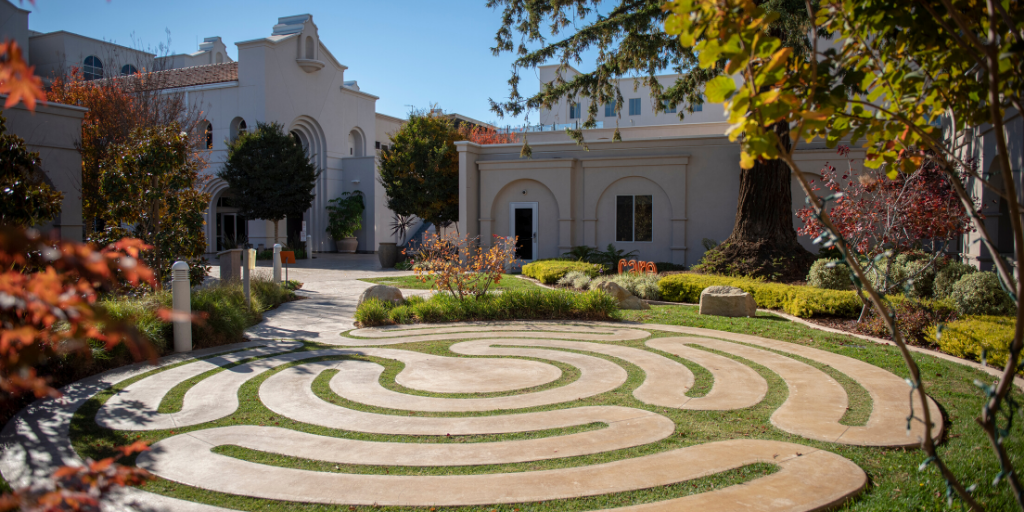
{"x": 190, "y": 76}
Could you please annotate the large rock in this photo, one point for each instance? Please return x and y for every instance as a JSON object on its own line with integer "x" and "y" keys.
{"x": 727, "y": 301}
{"x": 382, "y": 292}
{"x": 625, "y": 299}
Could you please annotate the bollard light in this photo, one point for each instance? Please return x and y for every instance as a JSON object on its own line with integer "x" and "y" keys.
{"x": 277, "y": 263}
{"x": 181, "y": 303}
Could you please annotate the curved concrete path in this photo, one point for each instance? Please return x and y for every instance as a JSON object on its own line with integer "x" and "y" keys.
{"x": 488, "y": 358}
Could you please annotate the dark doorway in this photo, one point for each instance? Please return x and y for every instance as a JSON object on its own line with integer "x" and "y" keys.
{"x": 524, "y": 233}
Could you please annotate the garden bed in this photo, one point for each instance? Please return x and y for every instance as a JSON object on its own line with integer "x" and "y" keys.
{"x": 511, "y": 304}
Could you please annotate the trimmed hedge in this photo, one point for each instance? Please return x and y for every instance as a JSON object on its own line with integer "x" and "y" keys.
{"x": 970, "y": 335}
{"x": 508, "y": 305}
{"x": 550, "y": 271}
{"x": 801, "y": 301}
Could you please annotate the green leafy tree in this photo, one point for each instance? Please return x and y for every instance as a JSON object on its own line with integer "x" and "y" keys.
{"x": 914, "y": 82}
{"x": 420, "y": 171}
{"x": 149, "y": 181}
{"x": 630, "y": 40}
{"x": 270, "y": 173}
{"x": 25, "y": 198}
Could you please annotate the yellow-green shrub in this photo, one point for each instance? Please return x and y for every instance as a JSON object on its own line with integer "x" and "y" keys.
{"x": 550, "y": 271}
{"x": 970, "y": 335}
{"x": 801, "y": 301}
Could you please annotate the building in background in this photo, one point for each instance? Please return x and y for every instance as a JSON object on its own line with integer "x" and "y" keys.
{"x": 288, "y": 77}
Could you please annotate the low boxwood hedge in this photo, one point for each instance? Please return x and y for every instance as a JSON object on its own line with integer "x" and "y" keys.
{"x": 550, "y": 271}
{"x": 969, "y": 336}
{"x": 507, "y": 305}
{"x": 801, "y": 301}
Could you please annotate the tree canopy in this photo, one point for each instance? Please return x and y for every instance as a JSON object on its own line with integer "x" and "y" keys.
{"x": 270, "y": 173}
{"x": 420, "y": 171}
{"x": 149, "y": 181}
{"x": 915, "y": 83}
{"x": 630, "y": 41}
{"x": 25, "y": 198}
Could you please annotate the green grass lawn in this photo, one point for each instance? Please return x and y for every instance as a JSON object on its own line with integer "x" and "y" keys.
{"x": 895, "y": 481}
{"x": 508, "y": 282}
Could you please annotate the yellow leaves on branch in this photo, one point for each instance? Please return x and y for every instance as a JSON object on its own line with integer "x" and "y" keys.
{"x": 17, "y": 79}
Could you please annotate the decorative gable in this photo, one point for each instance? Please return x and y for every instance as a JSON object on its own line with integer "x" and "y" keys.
{"x": 307, "y": 42}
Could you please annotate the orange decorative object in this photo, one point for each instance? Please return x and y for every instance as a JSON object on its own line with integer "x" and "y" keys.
{"x": 288, "y": 257}
{"x": 638, "y": 267}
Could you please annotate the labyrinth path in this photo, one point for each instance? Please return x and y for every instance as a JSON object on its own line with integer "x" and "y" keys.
{"x": 496, "y": 359}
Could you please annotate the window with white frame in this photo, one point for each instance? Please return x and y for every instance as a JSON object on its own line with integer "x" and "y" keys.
{"x": 670, "y": 108}
{"x": 128, "y": 69}
{"x": 634, "y": 106}
{"x": 699, "y": 106}
{"x": 575, "y": 111}
{"x": 92, "y": 68}
{"x": 634, "y": 218}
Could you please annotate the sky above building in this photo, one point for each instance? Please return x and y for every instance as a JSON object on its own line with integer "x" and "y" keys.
{"x": 409, "y": 53}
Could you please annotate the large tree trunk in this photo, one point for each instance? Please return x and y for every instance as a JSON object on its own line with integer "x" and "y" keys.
{"x": 763, "y": 242}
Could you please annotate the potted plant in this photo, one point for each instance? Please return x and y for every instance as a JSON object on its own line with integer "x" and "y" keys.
{"x": 345, "y": 217}
{"x": 390, "y": 253}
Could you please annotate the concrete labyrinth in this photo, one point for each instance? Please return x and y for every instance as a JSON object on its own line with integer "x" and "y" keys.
{"x": 493, "y": 381}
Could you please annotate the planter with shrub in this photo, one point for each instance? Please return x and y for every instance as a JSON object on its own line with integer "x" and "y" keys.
{"x": 345, "y": 217}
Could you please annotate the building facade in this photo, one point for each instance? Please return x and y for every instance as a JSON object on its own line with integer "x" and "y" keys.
{"x": 289, "y": 77}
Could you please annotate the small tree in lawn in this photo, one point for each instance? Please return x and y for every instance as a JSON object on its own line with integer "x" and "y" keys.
{"x": 270, "y": 173}
{"x": 420, "y": 171}
{"x": 25, "y": 199}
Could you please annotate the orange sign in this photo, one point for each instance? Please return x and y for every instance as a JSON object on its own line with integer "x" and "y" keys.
{"x": 638, "y": 267}
{"x": 287, "y": 256}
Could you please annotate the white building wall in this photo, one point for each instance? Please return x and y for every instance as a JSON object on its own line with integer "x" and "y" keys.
{"x": 560, "y": 114}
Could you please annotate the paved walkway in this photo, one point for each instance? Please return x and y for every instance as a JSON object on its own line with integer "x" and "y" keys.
{"x": 807, "y": 479}
{"x": 331, "y": 289}
{"x": 513, "y": 358}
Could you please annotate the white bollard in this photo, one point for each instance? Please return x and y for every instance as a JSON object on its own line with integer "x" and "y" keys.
{"x": 181, "y": 302}
{"x": 277, "y": 263}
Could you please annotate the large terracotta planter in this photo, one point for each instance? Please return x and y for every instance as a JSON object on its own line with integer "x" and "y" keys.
{"x": 387, "y": 254}
{"x": 347, "y": 244}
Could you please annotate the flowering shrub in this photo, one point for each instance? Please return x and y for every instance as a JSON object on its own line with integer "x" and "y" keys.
{"x": 460, "y": 266}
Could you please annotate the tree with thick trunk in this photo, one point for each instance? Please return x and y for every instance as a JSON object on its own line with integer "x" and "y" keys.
{"x": 763, "y": 242}
{"x": 631, "y": 41}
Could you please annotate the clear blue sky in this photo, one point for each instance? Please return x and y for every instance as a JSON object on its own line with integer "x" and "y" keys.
{"x": 410, "y": 53}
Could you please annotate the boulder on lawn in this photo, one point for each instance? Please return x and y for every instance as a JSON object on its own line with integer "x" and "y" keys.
{"x": 625, "y": 299}
{"x": 727, "y": 301}
{"x": 382, "y": 292}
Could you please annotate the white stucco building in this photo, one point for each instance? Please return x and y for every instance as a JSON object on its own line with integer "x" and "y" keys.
{"x": 286, "y": 76}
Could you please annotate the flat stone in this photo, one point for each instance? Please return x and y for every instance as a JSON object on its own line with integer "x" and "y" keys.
{"x": 727, "y": 301}
{"x": 383, "y": 292}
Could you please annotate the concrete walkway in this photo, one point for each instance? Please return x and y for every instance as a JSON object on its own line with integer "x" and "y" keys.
{"x": 511, "y": 357}
{"x": 330, "y": 291}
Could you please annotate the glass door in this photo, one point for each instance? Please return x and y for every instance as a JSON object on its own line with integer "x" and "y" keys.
{"x": 524, "y": 225}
